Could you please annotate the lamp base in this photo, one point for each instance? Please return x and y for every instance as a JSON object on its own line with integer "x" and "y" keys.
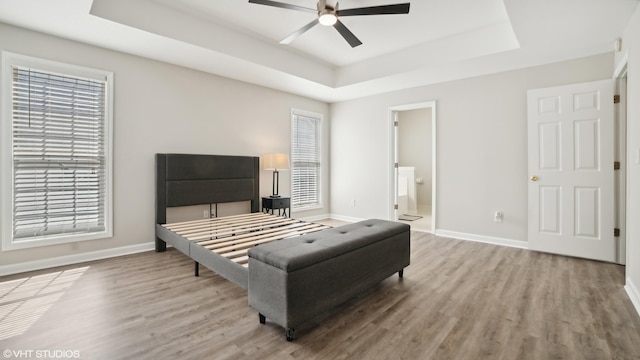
{"x": 274, "y": 196}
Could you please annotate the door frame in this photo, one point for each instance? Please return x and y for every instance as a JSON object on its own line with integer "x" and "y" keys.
{"x": 622, "y": 155}
{"x": 393, "y": 157}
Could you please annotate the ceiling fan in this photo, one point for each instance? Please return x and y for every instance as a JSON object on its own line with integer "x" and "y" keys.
{"x": 328, "y": 16}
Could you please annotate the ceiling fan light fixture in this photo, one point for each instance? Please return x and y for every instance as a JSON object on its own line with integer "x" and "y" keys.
{"x": 328, "y": 16}
{"x": 328, "y": 19}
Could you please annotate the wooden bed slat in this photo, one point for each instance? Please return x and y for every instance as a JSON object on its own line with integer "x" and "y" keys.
{"x": 261, "y": 235}
{"x": 187, "y": 224}
{"x": 235, "y": 229}
{"x": 222, "y": 218}
{"x": 231, "y": 237}
{"x": 232, "y": 253}
{"x": 217, "y": 222}
{"x": 241, "y": 259}
{"x": 214, "y": 224}
{"x": 240, "y": 237}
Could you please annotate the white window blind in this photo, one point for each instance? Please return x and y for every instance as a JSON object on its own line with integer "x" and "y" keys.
{"x": 59, "y": 155}
{"x": 305, "y": 160}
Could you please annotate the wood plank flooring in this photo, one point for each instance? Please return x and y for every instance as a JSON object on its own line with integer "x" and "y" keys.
{"x": 458, "y": 300}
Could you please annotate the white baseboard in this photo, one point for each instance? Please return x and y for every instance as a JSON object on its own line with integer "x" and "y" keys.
{"x": 483, "y": 239}
{"x": 330, "y": 216}
{"x": 634, "y": 294}
{"x": 446, "y": 233}
{"x": 74, "y": 259}
{"x": 345, "y": 218}
{"x": 422, "y": 230}
{"x": 313, "y": 218}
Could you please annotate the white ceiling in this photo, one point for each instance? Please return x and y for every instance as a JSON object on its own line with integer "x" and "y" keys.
{"x": 437, "y": 41}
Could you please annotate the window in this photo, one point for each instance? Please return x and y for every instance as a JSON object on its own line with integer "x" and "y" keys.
{"x": 305, "y": 159}
{"x": 56, "y": 152}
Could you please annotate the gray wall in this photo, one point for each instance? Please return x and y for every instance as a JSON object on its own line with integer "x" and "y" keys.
{"x": 481, "y": 148}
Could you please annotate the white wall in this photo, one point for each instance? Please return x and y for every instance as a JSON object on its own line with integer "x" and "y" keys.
{"x": 481, "y": 147}
{"x": 414, "y": 149}
{"x": 165, "y": 108}
{"x": 631, "y": 47}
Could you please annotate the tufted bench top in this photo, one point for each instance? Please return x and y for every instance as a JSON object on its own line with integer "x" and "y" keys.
{"x": 299, "y": 252}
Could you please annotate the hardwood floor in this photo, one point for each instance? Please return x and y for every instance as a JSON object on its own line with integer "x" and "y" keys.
{"x": 458, "y": 300}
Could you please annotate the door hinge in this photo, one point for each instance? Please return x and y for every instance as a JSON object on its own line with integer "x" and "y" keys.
{"x": 616, "y": 99}
{"x": 616, "y": 232}
{"x": 616, "y": 165}
{"x": 395, "y": 165}
{"x": 395, "y": 207}
{"x": 395, "y": 123}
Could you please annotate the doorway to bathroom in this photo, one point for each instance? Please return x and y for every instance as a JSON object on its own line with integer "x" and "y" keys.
{"x": 414, "y": 165}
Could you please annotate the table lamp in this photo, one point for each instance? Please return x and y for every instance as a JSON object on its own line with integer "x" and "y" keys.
{"x": 275, "y": 162}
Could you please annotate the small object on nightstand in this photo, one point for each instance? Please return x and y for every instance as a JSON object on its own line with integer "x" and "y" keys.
{"x": 275, "y": 162}
{"x": 282, "y": 204}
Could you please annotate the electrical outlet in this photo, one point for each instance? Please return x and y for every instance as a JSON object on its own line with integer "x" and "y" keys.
{"x": 498, "y": 216}
{"x": 353, "y": 202}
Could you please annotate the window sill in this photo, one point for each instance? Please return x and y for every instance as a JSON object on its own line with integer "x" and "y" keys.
{"x": 53, "y": 240}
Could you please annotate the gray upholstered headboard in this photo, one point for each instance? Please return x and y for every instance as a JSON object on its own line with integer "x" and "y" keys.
{"x": 186, "y": 179}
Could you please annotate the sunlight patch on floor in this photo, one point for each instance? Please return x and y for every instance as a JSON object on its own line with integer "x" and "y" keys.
{"x": 24, "y": 301}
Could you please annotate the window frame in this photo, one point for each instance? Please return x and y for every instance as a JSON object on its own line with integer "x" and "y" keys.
{"x": 9, "y": 61}
{"x": 320, "y": 203}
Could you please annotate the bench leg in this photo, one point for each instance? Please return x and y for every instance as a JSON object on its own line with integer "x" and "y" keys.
{"x": 196, "y": 268}
{"x": 262, "y": 318}
{"x": 288, "y": 332}
{"x": 400, "y": 273}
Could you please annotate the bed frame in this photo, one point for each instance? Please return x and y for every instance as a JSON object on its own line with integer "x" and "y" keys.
{"x": 220, "y": 244}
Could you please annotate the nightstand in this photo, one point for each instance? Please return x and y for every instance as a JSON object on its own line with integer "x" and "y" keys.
{"x": 269, "y": 204}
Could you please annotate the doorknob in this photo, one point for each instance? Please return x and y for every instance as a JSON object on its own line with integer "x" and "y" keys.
{"x": 534, "y": 178}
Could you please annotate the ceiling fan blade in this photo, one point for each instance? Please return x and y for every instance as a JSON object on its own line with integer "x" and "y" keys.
{"x": 346, "y": 34}
{"x": 283, "y": 5}
{"x": 376, "y": 10}
{"x": 300, "y": 31}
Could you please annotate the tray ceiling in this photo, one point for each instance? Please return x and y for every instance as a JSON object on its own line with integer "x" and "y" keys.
{"x": 437, "y": 41}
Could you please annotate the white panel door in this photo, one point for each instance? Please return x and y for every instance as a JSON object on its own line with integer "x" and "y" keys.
{"x": 571, "y": 180}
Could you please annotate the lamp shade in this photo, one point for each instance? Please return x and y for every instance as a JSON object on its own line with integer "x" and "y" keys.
{"x": 275, "y": 161}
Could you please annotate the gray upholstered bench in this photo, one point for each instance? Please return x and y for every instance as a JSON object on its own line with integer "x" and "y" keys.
{"x": 293, "y": 280}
